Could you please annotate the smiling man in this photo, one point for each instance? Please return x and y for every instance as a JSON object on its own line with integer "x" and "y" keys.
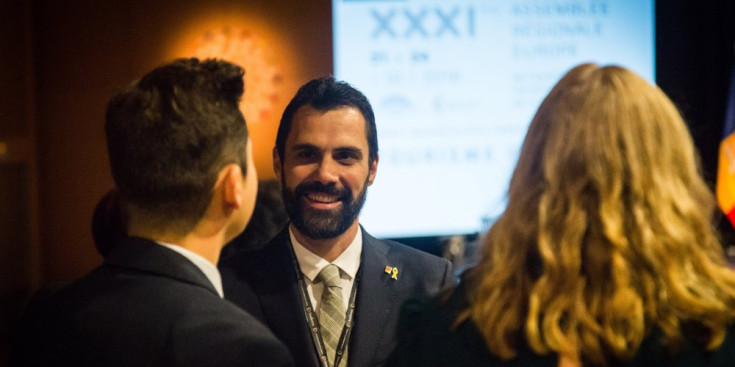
{"x": 324, "y": 286}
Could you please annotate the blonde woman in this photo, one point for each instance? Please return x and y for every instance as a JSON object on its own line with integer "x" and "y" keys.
{"x": 606, "y": 254}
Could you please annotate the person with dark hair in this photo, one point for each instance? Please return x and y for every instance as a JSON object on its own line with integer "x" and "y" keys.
{"x": 606, "y": 254}
{"x": 269, "y": 217}
{"x": 182, "y": 163}
{"x": 108, "y": 222}
{"x": 323, "y": 285}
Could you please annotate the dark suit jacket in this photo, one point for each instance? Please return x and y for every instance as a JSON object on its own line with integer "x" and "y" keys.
{"x": 147, "y": 305}
{"x": 264, "y": 284}
{"x": 427, "y": 337}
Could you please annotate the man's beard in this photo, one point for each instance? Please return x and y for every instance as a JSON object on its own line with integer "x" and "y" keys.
{"x": 322, "y": 224}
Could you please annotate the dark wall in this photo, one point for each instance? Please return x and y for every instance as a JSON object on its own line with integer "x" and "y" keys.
{"x": 695, "y": 43}
{"x": 18, "y": 194}
{"x": 694, "y": 49}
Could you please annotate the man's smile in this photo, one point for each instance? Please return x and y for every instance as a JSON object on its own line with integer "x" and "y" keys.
{"x": 318, "y": 200}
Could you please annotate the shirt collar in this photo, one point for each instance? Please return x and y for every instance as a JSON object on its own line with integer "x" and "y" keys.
{"x": 311, "y": 264}
{"x": 209, "y": 270}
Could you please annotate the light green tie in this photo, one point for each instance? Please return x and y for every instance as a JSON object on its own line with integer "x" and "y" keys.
{"x": 331, "y": 312}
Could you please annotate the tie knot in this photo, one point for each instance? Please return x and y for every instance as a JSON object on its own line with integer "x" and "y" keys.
{"x": 329, "y": 276}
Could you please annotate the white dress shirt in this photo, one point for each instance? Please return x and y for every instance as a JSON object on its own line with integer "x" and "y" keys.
{"x": 209, "y": 270}
{"x": 348, "y": 262}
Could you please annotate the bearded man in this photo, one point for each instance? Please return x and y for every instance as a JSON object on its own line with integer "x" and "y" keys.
{"x": 328, "y": 289}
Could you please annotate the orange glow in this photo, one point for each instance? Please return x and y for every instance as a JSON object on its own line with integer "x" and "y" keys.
{"x": 263, "y": 76}
{"x": 270, "y": 76}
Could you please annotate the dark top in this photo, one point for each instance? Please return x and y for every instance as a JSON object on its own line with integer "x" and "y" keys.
{"x": 263, "y": 282}
{"x": 147, "y": 305}
{"x": 426, "y": 338}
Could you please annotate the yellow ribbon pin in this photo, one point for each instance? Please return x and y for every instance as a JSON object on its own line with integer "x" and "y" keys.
{"x": 394, "y": 271}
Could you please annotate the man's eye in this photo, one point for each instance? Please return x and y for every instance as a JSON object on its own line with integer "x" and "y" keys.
{"x": 346, "y": 157}
{"x": 305, "y": 155}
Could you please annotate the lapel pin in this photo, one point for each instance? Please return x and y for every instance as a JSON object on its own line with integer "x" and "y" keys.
{"x": 393, "y": 270}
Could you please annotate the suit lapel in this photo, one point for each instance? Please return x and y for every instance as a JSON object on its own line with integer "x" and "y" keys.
{"x": 280, "y": 298}
{"x": 375, "y": 297}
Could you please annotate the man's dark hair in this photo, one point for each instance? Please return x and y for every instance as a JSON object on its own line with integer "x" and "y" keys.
{"x": 170, "y": 133}
{"x": 326, "y": 94}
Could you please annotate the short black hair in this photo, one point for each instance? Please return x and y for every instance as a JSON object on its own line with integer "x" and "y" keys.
{"x": 170, "y": 133}
{"x": 326, "y": 94}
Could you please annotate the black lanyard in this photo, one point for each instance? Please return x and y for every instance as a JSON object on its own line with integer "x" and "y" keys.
{"x": 311, "y": 318}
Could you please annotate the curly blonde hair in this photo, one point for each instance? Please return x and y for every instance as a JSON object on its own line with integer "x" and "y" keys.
{"x": 608, "y": 231}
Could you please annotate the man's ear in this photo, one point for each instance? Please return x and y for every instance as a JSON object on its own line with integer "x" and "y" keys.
{"x": 277, "y": 163}
{"x": 373, "y": 170}
{"x": 232, "y": 185}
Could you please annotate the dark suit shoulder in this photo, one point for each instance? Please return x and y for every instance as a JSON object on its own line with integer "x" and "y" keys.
{"x": 126, "y": 315}
{"x": 435, "y": 271}
{"x": 265, "y": 270}
{"x": 239, "y": 340}
{"x": 416, "y": 255}
{"x": 275, "y": 251}
{"x": 261, "y": 352}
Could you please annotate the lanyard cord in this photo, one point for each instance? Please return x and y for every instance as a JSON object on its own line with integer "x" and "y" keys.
{"x": 312, "y": 320}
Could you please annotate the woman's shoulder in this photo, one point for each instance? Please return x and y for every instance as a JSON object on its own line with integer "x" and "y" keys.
{"x": 691, "y": 353}
{"x": 434, "y": 331}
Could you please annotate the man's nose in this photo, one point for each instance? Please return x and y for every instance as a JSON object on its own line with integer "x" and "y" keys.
{"x": 327, "y": 171}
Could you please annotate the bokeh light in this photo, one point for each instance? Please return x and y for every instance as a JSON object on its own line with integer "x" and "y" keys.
{"x": 270, "y": 73}
{"x": 263, "y": 76}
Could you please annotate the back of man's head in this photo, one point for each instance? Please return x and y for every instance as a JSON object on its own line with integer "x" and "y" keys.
{"x": 169, "y": 134}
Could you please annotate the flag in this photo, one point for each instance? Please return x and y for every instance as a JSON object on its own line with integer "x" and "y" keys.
{"x": 725, "y": 188}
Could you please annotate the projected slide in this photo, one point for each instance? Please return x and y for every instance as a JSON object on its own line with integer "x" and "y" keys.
{"x": 454, "y": 85}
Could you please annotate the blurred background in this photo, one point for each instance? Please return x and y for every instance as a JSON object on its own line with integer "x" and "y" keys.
{"x": 60, "y": 62}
